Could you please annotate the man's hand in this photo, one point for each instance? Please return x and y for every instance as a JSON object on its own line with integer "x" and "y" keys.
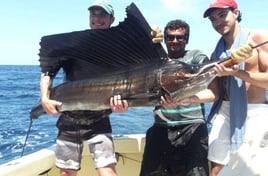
{"x": 157, "y": 36}
{"x": 222, "y": 70}
{"x": 50, "y": 106}
{"x": 238, "y": 55}
{"x": 242, "y": 53}
{"x": 118, "y": 105}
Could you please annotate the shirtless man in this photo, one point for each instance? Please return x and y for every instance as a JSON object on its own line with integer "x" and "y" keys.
{"x": 244, "y": 85}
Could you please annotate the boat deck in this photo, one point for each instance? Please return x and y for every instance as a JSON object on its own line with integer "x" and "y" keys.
{"x": 129, "y": 149}
{"x": 250, "y": 160}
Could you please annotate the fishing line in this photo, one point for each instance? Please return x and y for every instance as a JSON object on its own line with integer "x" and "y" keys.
{"x": 27, "y": 135}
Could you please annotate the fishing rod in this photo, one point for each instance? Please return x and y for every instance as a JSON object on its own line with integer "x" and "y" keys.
{"x": 230, "y": 61}
{"x": 263, "y": 43}
{"x": 227, "y": 62}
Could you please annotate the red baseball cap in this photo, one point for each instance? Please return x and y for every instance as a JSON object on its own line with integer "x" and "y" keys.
{"x": 220, "y": 4}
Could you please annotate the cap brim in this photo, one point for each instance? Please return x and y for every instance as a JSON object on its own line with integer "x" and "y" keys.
{"x": 95, "y": 6}
{"x": 207, "y": 12}
{"x": 216, "y": 6}
{"x": 99, "y": 6}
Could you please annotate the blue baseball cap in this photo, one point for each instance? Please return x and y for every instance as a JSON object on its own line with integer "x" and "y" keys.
{"x": 103, "y": 4}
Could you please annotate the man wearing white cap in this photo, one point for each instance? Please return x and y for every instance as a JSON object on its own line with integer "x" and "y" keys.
{"x": 78, "y": 126}
{"x": 242, "y": 87}
{"x": 101, "y": 14}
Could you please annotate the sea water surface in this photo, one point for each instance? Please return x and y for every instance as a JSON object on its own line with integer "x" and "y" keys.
{"x": 19, "y": 92}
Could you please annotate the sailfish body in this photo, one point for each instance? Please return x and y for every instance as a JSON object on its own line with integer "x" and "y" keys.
{"x": 140, "y": 86}
{"x": 147, "y": 73}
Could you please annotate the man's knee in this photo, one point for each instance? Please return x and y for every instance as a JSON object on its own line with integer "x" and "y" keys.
{"x": 67, "y": 172}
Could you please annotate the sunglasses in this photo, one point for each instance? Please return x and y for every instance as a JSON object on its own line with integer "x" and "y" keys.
{"x": 180, "y": 38}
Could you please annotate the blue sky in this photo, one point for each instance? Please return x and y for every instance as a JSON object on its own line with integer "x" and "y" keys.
{"x": 23, "y": 23}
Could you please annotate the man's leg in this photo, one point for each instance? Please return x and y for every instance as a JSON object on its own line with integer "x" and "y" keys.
{"x": 215, "y": 169}
{"x": 68, "y": 157}
{"x": 102, "y": 150}
{"x": 67, "y": 172}
{"x": 107, "y": 171}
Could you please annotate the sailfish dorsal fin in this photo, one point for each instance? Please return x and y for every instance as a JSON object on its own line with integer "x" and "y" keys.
{"x": 125, "y": 45}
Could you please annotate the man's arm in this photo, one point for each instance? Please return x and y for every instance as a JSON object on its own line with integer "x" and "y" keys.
{"x": 258, "y": 78}
{"x": 207, "y": 95}
{"x": 256, "y": 72}
{"x": 48, "y": 105}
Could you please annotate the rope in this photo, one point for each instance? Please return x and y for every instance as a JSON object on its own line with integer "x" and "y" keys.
{"x": 125, "y": 157}
{"x": 27, "y": 135}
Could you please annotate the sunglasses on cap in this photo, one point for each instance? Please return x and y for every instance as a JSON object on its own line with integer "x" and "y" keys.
{"x": 180, "y": 38}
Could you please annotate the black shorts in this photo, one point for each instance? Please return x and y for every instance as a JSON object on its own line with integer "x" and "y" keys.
{"x": 72, "y": 132}
{"x": 176, "y": 151}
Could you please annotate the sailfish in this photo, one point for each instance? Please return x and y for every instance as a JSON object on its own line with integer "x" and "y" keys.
{"x": 137, "y": 69}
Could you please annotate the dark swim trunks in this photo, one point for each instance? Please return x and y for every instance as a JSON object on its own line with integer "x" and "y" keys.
{"x": 181, "y": 151}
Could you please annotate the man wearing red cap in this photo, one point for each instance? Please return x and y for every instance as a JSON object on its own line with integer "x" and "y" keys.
{"x": 242, "y": 87}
